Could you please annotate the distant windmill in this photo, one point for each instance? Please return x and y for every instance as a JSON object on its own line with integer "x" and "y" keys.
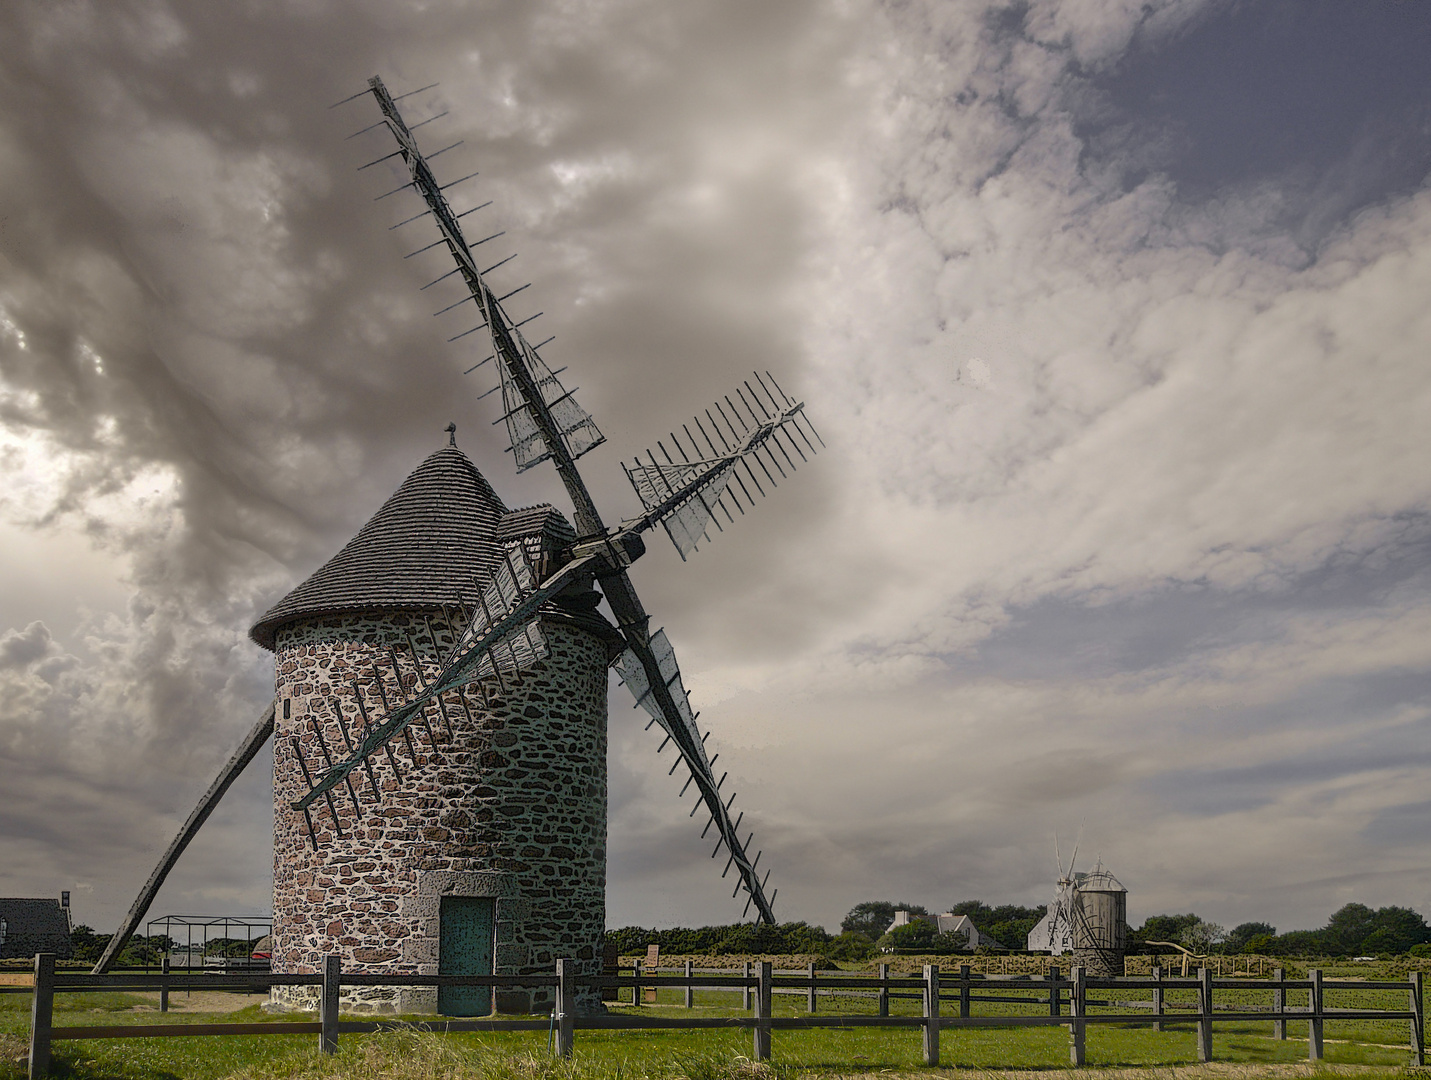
{"x": 468, "y": 643}
{"x": 1087, "y": 916}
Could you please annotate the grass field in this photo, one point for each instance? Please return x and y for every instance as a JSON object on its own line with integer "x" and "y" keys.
{"x": 1241, "y": 1049}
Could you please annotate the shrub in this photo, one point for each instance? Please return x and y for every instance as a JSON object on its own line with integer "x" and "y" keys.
{"x": 851, "y": 945}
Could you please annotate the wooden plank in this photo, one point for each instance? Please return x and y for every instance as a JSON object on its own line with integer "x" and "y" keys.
{"x": 166, "y": 1031}
{"x": 328, "y": 1004}
{"x": 931, "y": 1015}
{"x": 762, "y": 1027}
{"x": 41, "y": 1014}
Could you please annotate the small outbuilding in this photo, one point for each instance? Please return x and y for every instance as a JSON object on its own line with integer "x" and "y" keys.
{"x": 30, "y": 925}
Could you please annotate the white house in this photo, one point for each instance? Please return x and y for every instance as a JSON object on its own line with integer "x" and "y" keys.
{"x": 948, "y": 923}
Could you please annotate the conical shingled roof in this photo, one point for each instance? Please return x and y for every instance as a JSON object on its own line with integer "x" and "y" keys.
{"x": 436, "y": 533}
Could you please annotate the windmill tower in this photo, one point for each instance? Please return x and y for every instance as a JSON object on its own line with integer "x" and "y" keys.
{"x": 488, "y": 821}
{"x": 1088, "y": 916}
{"x": 440, "y": 781}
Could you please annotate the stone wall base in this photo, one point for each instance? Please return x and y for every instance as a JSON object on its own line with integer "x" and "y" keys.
{"x": 356, "y": 1000}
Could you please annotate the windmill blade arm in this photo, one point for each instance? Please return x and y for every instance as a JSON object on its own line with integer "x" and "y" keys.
{"x": 246, "y": 752}
{"x": 657, "y": 686}
{"x": 514, "y": 354}
{"x": 456, "y": 672}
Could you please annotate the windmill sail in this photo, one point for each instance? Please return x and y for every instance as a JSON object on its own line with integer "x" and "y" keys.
{"x": 527, "y": 444}
{"x": 665, "y": 699}
{"x": 684, "y": 495}
{"x": 633, "y": 675}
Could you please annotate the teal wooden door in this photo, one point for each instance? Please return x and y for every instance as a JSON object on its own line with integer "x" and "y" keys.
{"x": 465, "y": 936}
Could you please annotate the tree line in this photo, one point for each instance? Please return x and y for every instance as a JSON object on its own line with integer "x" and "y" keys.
{"x": 1353, "y": 930}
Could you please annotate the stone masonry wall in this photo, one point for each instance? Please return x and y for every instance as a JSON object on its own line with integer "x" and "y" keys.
{"x": 512, "y": 806}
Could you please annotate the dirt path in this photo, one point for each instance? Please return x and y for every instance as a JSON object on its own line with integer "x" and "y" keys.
{"x": 200, "y": 1001}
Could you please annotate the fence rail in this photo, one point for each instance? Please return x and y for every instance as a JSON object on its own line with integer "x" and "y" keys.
{"x": 757, "y": 985}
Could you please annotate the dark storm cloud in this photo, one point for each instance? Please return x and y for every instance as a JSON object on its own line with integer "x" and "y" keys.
{"x": 1119, "y": 396}
{"x": 217, "y": 364}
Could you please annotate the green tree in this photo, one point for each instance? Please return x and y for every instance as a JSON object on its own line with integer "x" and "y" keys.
{"x": 912, "y": 935}
{"x": 87, "y": 945}
{"x": 1301, "y": 943}
{"x": 1242, "y": 933}
{"x": 1162, "y": 928}
{"x": 1395, "y": 930}
{"x": 1261, "y": 945}
{"x": 850, "y": 945}
{"x": 1202, "y": 935}
{"x": 873, "y": 917}
{"x": 1348, "y": 927}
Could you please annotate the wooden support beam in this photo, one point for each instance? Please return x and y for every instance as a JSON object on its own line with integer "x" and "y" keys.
{"x": 250, "y": 746}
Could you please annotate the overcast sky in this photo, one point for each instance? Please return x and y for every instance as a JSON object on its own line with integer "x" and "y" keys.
{"x": 1113, "y": 314}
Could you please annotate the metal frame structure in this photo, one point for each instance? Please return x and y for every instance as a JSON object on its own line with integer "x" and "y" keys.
{"x": 245, "y": 922}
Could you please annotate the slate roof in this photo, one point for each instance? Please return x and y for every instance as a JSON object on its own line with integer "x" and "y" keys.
{"x": 442, "y": 528}
{"x": 34, "y": 925}
{"x": 543, "y": 519}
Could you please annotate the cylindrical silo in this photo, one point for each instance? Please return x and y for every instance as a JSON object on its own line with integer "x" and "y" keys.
{"x": 1099, "y": 921}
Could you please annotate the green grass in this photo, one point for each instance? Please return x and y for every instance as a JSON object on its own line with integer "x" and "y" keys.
{"x": 1245, "y": 1048}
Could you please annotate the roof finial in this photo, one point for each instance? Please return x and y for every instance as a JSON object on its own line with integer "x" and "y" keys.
{"x": 451, "y": 430}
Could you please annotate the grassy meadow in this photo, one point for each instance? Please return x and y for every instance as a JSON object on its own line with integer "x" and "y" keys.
{"x": 1241, "y": 1049}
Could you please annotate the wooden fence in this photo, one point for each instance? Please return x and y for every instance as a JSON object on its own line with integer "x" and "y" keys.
{"x": 932, "y": 988}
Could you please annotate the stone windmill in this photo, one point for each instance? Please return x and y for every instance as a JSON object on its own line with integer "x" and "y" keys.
{"x": 440, "y": 718}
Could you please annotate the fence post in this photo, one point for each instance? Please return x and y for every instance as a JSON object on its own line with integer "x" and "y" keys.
{"x": 745, "y": 1002}
{"x": 1077, "y": 1006}
{"x": 762, "y": 1014}
{"x": 1279, "y": 1004}
{"x": 1204, "y": 1008}
{"x": 964, "y": 989}
{"x": 42, "y": 1006}
{"x": 1418, "y": 1021}
{"x": 1156, "y": 971}
{"x": 1314, "y": 1025}
{"x": 164, "y": 986}
{"x": 328, "y": 1004}
{"x": 811, "y": 1002}
{"x": 1055, "y": 995}
{"x": 565, "y": 1006}
{"x": 884, "y": 990}
{"x": 690, "y": 987}
{"x": 931, "y": 1014}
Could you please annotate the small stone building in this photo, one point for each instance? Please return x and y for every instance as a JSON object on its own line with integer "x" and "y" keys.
{"x": 485, "y": 854}
{"x": 30, "y": 925}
